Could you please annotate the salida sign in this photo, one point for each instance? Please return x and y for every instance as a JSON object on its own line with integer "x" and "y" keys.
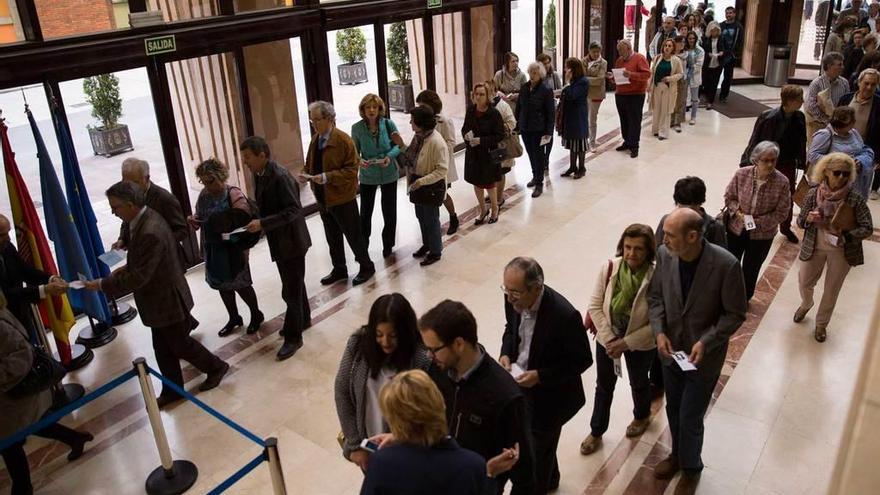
{"x": 160, "y": 44}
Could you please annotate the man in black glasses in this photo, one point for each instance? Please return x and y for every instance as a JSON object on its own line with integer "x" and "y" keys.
{"x": 485, "y": 409}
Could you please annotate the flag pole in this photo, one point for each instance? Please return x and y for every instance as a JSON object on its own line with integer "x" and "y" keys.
{"x": 96, "y": 334}
{"x": 62, "y": 393}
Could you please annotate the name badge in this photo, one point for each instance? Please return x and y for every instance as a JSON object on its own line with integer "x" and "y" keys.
{"x": 473, "y": 418}
{"x": 749, "y": 222}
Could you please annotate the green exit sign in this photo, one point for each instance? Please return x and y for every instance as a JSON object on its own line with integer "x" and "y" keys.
{"x": 160, "y": 44}
{"x": 435, "y": 4}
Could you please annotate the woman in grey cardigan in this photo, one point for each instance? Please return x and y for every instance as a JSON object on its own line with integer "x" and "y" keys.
{"x": 388, "y": 344}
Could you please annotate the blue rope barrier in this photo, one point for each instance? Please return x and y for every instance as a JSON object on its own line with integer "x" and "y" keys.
{"x": 213, "y": 412}
{"x": 64, "y": 411}
{"x": 241, "y": 473}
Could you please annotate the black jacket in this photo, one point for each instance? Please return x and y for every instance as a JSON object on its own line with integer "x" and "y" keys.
{"x": 560, "y": 352}
{"x": 489, "y": 127}
{"x": 706, "y": 43}
{"x": 872, "y": 138}
{"x": 792, "y": 140}
{"x": 281, "y": 213}
{"x": 20, "y": 283}
{"x": 442, "y": 469}
{"x": 166, "y": 204}
{"x": 486, "y": 413}
{"x": 537, "y": 110}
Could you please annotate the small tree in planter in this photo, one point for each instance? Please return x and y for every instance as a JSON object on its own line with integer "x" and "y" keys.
{"x": 111, "y": 137}
{"x": 550, "y": 31}
{"x": 400, "y": 91}
{"x": 351, "y": 45}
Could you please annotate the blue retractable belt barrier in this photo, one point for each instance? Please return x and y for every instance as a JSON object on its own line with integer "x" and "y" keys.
{"x": 213, "y": 412}
{"x": 241, "y": 473}
{"x": 64, "y": 411}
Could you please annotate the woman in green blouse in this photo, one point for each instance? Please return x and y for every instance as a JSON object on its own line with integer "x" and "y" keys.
{"x": 378, "y": 143}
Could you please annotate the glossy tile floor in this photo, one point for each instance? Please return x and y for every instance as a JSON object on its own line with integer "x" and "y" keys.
{"x": 774, "y": 429}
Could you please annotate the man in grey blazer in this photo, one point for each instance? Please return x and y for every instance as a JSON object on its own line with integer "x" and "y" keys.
{"x": 153, "y": 273}
{"x": 697, "y": 301}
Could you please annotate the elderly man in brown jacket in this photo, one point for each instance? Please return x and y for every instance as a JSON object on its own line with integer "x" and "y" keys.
{"x": 332, "y": 167}
{"x": 161, "y": 293}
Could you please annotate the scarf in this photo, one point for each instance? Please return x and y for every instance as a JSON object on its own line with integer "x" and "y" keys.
{"x": 626, "y": 287}
{"x": 411, "y": 155}
{"x": 828, "y": 201}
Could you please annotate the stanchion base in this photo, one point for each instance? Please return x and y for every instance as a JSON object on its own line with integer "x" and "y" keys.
{"x": 66, "y": 394}
{"x": 79, "y": 356}
{"x": 185, "y": 475}
{"x": 96, "y": 336}
{"x": 124, "y": 313}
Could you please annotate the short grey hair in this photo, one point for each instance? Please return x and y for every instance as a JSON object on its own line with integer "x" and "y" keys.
{"x": 830, "y": 58}
{"x": 669, "y": 18}
{"x": 534, "y": 274}
{"x": 538, "y": 66}
{"x": 326, "y": 109}
{"x": 128, "y": 192}
{"x": 761, "y": 148}
{"x": 136, "y": 165}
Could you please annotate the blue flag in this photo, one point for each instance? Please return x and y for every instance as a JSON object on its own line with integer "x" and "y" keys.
{"x": 72, "y": 259}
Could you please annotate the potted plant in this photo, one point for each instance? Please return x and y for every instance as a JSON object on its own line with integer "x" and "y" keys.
{"x": 400, "y": 91}
{"x": 111, "y": 137}
{"x": 351, "y": 45}
{"x": 550, "y": 31}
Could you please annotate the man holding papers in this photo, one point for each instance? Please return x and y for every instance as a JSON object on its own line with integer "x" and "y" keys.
{"x": 544, "y": 336}
{"x": 697, "y": 301}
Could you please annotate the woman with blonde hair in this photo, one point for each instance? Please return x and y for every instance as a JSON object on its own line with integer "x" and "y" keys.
{"x": 835, "y": 219}
{"x": 666, "y": 70}
{"x": 483, "y": 129}
{"x": 422, "y": 458}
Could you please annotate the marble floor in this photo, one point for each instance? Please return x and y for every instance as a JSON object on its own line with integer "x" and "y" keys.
{"x": 774, "y": 428}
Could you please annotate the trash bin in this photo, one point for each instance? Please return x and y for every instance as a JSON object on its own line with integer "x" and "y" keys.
{"x": 778, "y": 64}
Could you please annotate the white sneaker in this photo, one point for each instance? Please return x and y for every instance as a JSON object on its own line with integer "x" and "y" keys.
{"x": 693, "y": 122}
{"x": 874, "y": 195}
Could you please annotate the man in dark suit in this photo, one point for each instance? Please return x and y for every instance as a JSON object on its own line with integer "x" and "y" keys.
{"x": 281, "y": 218}
{"x": 787, "y": 127}
{"x": 332, "y": 166}
{"x": 697, "y": 300}
{"x": 162, "y": 295}
{"x": 23, "y": 284}
{"x": 545, "y": 338}
{"x": 162, "y": 202}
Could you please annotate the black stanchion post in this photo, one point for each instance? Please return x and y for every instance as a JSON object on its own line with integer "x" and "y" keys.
{"x": 96, "y": 334}
{"x": 278, "y": 486}
{"x": 172, "y": 477}
{"x": 62, "y": 393}
{"x": 121, "y": 312}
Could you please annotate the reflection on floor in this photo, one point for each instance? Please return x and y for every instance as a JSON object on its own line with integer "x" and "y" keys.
{"x": 774, "y": 428}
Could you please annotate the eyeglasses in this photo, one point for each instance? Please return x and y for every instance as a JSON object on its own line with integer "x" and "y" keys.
{"x": 841, "y": 173}
{"x": 207, "y": 181}
{"x": 512, "y": 293}
{"x": 434, "y": 350}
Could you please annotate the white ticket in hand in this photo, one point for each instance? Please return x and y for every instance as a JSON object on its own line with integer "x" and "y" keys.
{"x": 545, "y": 140}
{"x": 77, "y": 284}
{"x": 228, "y": 235}
{"x": 113, "y": 257}
{"x": 516, "y": 371}
{"x": 683, "y": 361}
{"x": 749, "y": 222}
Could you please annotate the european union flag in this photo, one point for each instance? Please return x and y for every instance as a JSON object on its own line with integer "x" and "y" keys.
{"x": 72, "y": 257}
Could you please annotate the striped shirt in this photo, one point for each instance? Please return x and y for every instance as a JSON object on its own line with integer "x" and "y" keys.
{"x": 839, "y": 87}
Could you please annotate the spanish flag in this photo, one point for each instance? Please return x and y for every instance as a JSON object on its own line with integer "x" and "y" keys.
{"x": 34, "y": 248}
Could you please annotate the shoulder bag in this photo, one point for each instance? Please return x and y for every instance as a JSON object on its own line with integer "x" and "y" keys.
{"x": 430, "y": 194}
{"x": 45, "y": 372}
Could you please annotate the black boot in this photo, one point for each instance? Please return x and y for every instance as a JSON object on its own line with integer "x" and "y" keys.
{"x": 230, "y": 327}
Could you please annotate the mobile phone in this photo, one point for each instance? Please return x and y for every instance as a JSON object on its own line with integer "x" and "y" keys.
{"x": 369, "y": 445}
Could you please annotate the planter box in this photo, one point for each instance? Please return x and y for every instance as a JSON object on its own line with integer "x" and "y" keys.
{"x": 352, "y": 74}
{"x": 401, "y": 97}
{"x": 110, "y": 142}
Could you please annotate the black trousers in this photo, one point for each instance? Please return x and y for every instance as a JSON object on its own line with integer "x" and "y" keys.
{"x": 16, "y": 459}
{"x": 751, "y": 254}
{"x": 389, "y": 212}
{"x": 728, "y": 79}
{"x": 293, "y": 291}
{"x": 546, "y": 465}
{"x": 344, "y": 221}
{"x": 629, "y": 110}
{"x": 687, "y": 398}
{"x": 537, "y": 157}
{"x": 638, "y": 363}
{"x": 790, "y": 172}
{"x": 711, "y": 76}
{"x": 173, "y": 343}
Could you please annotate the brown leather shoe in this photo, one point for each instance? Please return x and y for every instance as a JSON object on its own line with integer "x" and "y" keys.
{"x": 637, "y": 427}
{"x": 687, "y": 485}
{"x": 666, "y": 469}
{"x": 590, "y": 444}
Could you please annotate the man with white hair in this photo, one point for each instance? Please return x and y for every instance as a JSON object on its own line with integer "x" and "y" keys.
{"x": 667, "y": 31}
{"x": 630, "y": 97}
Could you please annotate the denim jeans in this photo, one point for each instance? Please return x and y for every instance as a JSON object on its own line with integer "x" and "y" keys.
{"x": 429, "y": 223}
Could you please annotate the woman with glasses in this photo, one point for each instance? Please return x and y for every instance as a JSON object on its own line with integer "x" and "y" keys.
{"x": 757, "y": 201}
{"x": 226, "y": 262}
{"x": 388, "y": 344}
{"x": 835, "y": 219}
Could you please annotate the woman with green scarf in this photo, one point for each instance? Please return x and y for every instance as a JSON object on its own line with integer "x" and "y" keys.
{"x": 618, "y": 316}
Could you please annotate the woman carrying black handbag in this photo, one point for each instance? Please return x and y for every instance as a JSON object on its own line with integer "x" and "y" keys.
{"x": 427, "y": 159}
{"x": 16, "y": 362}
